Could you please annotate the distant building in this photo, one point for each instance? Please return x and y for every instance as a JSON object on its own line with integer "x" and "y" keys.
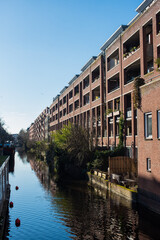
{"x": 39, "y": 130}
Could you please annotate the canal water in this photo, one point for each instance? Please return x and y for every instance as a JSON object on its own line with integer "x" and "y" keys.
{"x": 74, "y": 211}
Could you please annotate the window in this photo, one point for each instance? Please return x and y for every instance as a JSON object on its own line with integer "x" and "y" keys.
{"x": 158, "y": 22}
{"x": 64, "y": 111}
{"x": 64, "y": 100}
{"x": 86, "y": 82}
{"x": 110, "y": 127}
{"x": 129, "y": 152}
{"x": 148, "y": 164}
{"x": 76, "y": 90}
{"x": 158, "y": 123}
{"x": 71, "y": 108}
{"x": 117, "y": 126}
{"x": 86, "y": 99}
{"x": 96, "y": 74}
{"x": 148, "y": 125}
{"x": 71, "y": 94}
{"x": 129, "y": 127}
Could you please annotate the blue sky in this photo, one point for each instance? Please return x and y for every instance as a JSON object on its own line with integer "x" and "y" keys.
{"x": 44, "y": 43}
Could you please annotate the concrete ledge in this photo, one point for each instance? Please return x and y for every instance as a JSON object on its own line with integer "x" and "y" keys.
{"x": 120, "y": 190}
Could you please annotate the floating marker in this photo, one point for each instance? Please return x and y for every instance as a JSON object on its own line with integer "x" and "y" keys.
{"x": 11, "y": 204}
{"x": 17, "y": 187}
{"x": 17, "y": 222}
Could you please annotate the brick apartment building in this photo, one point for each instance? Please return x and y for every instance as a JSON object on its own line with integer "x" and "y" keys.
{"x": 39, "y": 130}
{"x": 31, "y": 132}
{"x": 103, "y": 91}
{"x": 104, "y": 88}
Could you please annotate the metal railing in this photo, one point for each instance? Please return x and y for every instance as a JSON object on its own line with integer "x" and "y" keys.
{"x": 4, "y": 181}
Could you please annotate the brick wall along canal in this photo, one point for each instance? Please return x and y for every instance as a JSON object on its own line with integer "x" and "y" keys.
{"x": 74, "y": 211}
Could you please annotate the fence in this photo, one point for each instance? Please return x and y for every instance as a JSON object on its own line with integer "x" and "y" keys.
{"x": 4, "y": 181}
{"x": 122, "y": 165}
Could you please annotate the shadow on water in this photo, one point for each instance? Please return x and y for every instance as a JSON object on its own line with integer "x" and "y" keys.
{"x": 89, "y": 213}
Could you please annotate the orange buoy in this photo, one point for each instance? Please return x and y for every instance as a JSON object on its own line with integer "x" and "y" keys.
{"x": 17, "y": 222}
{"x": 17, "y": 187}
{"x": 11, "y": 204}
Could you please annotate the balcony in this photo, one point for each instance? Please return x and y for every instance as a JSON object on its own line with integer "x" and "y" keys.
{"x": 131, "y": 72}
{"x": 113, "y": 60}
{"x": 116, "y": 107}
{"x": 131, "y": 45}
{"x": 113, "y": 83}
{"x": 70, "y": 94}
{"x": 109, "y": 112}
{"x": 76, "y": 90}
{"x": 96, "y": 74}
{"x": 64, "y": 100}
{"x": 158, "y": 22}
{"x": 96, "y": 94}
{"x": 76, "y": 105}
{"x": 64, "y": 112}
{"x": 148, "y": 47}
{"x": 86, "y": 82}
{"x": 70, "y": 108}
{"x": 86, "y": 99}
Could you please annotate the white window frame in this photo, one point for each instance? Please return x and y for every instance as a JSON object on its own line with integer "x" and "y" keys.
{"x": 146, "y": 124}
{"x": 148, "y": 164}
{"x": 158, "y": 124}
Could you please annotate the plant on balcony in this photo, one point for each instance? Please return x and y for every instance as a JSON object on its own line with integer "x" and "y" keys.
{"x": 136, "y": 92}
{"x": 125, "y": 55}
{"x": 133, "y": 49}
{"x": 109, "y": 110}
{"x": 116, "y": 110}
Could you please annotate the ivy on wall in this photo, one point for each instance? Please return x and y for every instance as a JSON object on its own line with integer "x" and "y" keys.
{"x": 121, "y": 130}
{"x": 136, "y": 92}
{"x": 157, "y": 61}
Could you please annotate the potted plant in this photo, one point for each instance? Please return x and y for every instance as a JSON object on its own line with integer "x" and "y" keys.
{"x": 109, "y": 112}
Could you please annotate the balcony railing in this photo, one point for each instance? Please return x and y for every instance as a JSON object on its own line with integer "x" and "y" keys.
{"x": 113, "y": 89}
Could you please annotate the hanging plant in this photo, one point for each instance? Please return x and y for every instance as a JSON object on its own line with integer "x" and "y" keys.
{"x": 136, "y": 92}
{"x": 121, "y": 130}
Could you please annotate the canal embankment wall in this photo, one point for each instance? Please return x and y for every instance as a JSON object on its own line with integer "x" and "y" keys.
{"x": 129, "y": 194}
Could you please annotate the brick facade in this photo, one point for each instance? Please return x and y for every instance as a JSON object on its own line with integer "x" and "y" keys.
{"x": 149, "y": 179}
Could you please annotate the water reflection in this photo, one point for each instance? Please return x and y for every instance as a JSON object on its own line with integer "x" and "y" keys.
{"x": 73, "y": 211}
{"x": 11, "y": 164}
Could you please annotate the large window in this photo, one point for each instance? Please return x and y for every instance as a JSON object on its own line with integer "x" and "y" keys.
{"x": 148, "y": 125}
{"x": 158, "y": 123}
